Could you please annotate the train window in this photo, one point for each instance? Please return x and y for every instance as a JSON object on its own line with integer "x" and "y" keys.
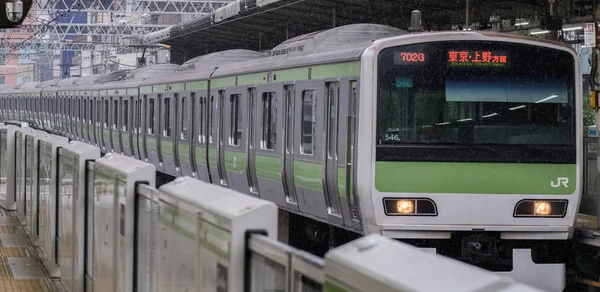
{"x": 85, "y": 110}
{"x": 150, "y": 115}
{"x": 212, "y": 113}
{"x": 115, "y": 113}
{"x": 269, "y": 121}
{"x": 167, "y": 120}
{"x": 251, "y": 99}
{"x": 309, "y": 120}
{"x": 125, "y": 115}
{"x": 106, "y": 113}
{"x": 184, "y": 117}
{"x": 202, "y": 102}
{"x": 332, "y": 122}
{"x": 91, "y": 111}
{"x": 235, "y": 129}
{"x": 138, "y": 115}
{"x": 99, "y": 112}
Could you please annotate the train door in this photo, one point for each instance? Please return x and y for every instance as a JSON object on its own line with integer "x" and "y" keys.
{"x": 126, "y": 117}
{"x": 3, "y": 108}
{"x": 71, "y": 115}
{"x": 345, "y": 145}
{"x": 183, "y": 143}
{"x": 151, "y": 129}
{"x": 250, "y": 145}
{"x": 332, "y": 112}
{"x": 63, "y": 112}
{"x": 91, "y": 118}
{"x": 84, "y": 117}
{"x": 106, "y": 146}
{"x": 79, "y": 115}
{"x": 87, "y": 107}
{"x": 308, "y": 152}
{"x": 99, "y": 122}
{"x": 60, "y": 113}
{"x": 215, "y": 140}
{"x": 114, "y": 127}
{"x": 165, "y": 149}
{"x": 289, "y": 185}
{"x": 234, "y": 138}
{"x": 137, "y": 127}
{"x": 200, "y": 108}
{"x": 269, "y": 151}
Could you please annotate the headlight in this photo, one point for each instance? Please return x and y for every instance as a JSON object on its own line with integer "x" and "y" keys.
{"x": 541, "y": 208}
{"x": 409, "y": 207}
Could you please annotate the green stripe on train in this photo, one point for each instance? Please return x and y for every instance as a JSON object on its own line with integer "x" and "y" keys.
{"x": 474, "y": 178}
{"x": 331, "y": 286}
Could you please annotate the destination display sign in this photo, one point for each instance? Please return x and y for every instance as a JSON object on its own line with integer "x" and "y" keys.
{"x": 468, "y": 58}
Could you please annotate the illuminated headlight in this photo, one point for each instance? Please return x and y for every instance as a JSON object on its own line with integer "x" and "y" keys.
{"x": 409, "y": 207}
{"x": 541, "y": 208}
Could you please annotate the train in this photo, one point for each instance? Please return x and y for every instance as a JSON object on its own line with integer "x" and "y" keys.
{"x": 467, "y": 143}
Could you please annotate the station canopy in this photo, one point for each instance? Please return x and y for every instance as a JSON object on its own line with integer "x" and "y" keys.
{"x": 260, "y": 25}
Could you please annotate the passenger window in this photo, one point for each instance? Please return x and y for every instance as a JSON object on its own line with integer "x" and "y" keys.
{"x": 125, "y": 115}
{"x": 184, "y": 118}
{"x": 309, "y": 120}
{"x": 106, "y": 113}
{"x": 85, "y": 111}
{"x": 167, "y": 119}
{"x": 235, "y": 132}
{"x": 212, "y": 114}
{"x": 269, "y": 121}
{"x": 98, "y": 112}
{"x": 115, "y": 113}
{"x": 201, "y": 116}
{"x": 138, "y": 114}
{"x": 150, "y": 115}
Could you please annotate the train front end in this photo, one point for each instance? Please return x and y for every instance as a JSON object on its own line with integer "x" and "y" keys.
{"x": 470, "y": 143}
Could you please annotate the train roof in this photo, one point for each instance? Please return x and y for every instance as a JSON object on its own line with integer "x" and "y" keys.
{"x": 338, "y": 44}
{"x": 210, "y": 61}
{"x": 150, "y": 71}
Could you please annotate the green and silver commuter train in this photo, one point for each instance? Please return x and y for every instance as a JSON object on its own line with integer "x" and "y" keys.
{"x": 466, "y": 142}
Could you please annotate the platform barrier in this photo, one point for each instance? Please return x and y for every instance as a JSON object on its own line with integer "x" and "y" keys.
{"x": 7, "y": 165}
{"x": 115, "y": 179}
{"x": 48, "y": 200}
{"x": 100, "y": 224}
{"x": 31, "y": 182}
{"x": 72, "y": 193}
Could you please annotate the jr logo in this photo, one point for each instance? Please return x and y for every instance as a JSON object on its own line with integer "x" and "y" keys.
{"x": 561, "y": 180}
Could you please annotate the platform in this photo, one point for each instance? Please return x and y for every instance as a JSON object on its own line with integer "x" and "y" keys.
{"x": 20, "y": 269}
